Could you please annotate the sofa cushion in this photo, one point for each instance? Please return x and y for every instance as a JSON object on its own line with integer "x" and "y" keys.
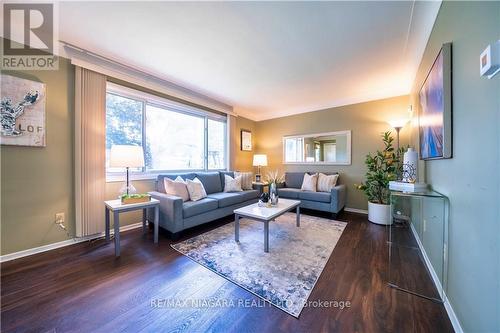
{"x": 192, "y": 208}
{"x": 249, "y": 195}
{"x": 211, "y": 181}
{"x": 227, "y": 199}
{"x": 294, "y": 179}
{"x": 222, "y": 173}
{"x": 315, "y": 196}
{"x": 160, "y": 187}
{"x": 290, "y": 193}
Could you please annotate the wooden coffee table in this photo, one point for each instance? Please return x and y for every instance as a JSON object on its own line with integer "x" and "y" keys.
{"x": 265, "y": 214}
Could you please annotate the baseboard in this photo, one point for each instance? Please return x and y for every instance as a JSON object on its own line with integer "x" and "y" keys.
{"x": 53, "y": 246}
{"x": 356, "y": 210}
{"x": 447, "y": 305}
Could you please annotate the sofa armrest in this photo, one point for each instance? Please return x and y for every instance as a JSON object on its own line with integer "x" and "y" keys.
{"x": 339, "y": 195}
{"x": 170, "y": 211}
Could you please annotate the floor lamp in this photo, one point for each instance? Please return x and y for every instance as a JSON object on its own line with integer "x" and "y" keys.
{"x": 398, "y": 125}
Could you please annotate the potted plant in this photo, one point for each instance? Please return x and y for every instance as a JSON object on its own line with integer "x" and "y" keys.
{"x": 383, "y": 167}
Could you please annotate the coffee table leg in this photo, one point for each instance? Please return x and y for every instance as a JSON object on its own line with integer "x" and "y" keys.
{"x": 144, "y": 218}
{"x": 298, "y": 216}
{"x": 266, "y": 236}
{"x": 236, "y": 227}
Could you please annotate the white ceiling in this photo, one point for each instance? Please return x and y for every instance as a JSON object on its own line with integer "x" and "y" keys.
{"x": 267, "y": 59}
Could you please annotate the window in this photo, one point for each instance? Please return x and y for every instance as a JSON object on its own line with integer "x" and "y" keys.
{"x": 294, "y": 150}
{"x": 174, "y": 136}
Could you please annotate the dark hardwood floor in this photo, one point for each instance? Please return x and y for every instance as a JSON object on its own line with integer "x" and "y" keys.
{"x": 83, "y": 288}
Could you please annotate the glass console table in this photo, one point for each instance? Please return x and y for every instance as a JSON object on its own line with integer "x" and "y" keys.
{"x": 418, "y": 243}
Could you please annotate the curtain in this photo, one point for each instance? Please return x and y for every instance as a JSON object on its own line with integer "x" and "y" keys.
{"x": 90, "y": 153}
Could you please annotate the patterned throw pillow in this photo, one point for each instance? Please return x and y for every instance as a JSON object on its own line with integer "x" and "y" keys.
{"x": 232, "y": 184}
{"x": 196, "y": 189}
{"x": 246, "y": 179}
{"x": 176, "y": 187}
{"x": 309, "y": 182}
{"x": 327, "y": 182}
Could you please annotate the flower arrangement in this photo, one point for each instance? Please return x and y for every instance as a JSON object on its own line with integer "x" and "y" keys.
{"x": 274, "y": 177}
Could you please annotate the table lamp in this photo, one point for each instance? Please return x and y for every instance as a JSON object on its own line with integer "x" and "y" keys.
{"x": 125, "y": 156}
{"x": 258, "y": 161}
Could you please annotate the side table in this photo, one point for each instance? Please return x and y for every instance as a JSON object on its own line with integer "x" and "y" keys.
{"x": 117, "y": 207}
{"x": 260, "y": 186}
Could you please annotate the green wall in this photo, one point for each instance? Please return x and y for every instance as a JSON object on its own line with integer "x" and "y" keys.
{"x": 38, "y": 182}
{"x": 366, "y": 121}
{"x": 471, "y": 177}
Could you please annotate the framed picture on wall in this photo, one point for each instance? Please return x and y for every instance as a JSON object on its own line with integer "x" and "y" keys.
{"x": 22, "y": 111}
{"x": 246, "y": 140}
{"x": 435, "y": 118}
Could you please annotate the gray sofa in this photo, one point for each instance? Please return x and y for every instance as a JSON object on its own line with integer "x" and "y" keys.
{"x": 332, "y": 202}
{"x": 176, "y": 215}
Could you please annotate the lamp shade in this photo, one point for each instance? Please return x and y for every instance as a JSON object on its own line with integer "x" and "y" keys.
{"x": 398, "y": 123}
{"x": 260, "y": 160}
{"x": 122, "y": 156}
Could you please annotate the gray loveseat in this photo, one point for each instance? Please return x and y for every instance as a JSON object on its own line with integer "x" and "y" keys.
{"x": 332, "y": 202}
{"x": 176, "y": 215}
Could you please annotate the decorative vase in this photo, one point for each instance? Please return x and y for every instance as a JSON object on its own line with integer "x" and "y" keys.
{"x": 410, "y": 166}
{"x": 379, "y": 213}
{"x": 273, "y": 194}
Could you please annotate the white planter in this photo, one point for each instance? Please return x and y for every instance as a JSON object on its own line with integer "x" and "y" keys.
{"x": 379, "y": 213}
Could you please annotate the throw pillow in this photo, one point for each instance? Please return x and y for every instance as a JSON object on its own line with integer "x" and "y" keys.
{"x": 176, "y": 187}
{"x": 246, "y": 179}
{"x": 196, "y": 189}
{"x": 309, "y": 182}
{"x": 327, "y": 182}
{"x": 232, "y": 184}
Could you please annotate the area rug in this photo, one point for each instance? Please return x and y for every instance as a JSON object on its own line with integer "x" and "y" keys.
{"x": 287, "y": 274}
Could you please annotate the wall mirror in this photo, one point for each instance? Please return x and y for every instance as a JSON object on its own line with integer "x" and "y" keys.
{"x": 332, "y": 148}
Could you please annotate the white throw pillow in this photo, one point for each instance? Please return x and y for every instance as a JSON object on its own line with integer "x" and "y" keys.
{"x": 246, "y": 179}
{"x": 327, "y": 182}
{"x": 196, "y": 189}
{"x": 309, "y": 182}
{"x": 176, "y": 187}
{"x": 232, "y": 184}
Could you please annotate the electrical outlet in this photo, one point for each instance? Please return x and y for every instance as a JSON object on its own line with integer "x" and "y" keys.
{"x": 59, "y": 218}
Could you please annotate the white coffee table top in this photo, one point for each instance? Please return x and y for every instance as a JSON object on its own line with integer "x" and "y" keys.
{"x": 265, "y": 213}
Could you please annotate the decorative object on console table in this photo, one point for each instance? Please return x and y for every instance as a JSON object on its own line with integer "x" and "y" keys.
{"x": 435, "y": 124}
{"x": 259, "y": 160}
{"x": 22, "y": 111}
{"x": 126, "y": 156}
{"x": 409, "y": 181}
{"x": 382, "y": 168}
{"x": 246, "y": 140}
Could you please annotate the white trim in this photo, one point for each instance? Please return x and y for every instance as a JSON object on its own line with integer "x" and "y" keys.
{"x": 119, "y": 70}
{"x": 356, "y": 210}
{"x": 447, "y": 305}
{"x": 53, "y": 246}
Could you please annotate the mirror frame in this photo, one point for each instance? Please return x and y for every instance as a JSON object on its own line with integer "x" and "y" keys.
{"x": 347, "y": 132}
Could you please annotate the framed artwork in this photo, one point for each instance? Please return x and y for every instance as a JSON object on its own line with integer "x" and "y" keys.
{"x": 22, "y": 111}
{"x": 435, "y": 111}
{"x": 246, "y": 140}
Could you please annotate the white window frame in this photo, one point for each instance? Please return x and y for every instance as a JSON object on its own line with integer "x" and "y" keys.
{"x": 171, "y": 106}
